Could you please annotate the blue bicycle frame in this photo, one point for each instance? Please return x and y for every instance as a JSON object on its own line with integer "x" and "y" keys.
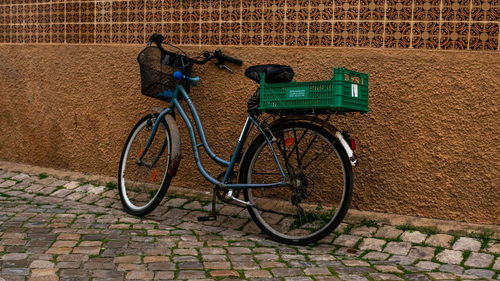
{"x": 174, "y": 104}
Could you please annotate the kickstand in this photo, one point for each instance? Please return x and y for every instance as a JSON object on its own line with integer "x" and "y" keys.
{"x": 212, "y": 215}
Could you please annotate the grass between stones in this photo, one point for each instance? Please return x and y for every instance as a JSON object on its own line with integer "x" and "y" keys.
{"x": 110, "y": 186}
{"x": 42, "y": 176}
{"x": 412, "y": 228}
{"x": 484, "y": 236}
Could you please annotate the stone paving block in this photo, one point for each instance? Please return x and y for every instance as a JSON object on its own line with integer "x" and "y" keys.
{"x": 442, "y": 276}
{"x": 298, "y": 278}
{"x": 493, "y": 247}
{"x": 422, "y": 253}
{"x": 224, "y": 273}
{"x": 384, "y": 276}
{"x": 72, "y": 258}
{"x": 363, "y": 231}
{"x": 34, "y": 188}
{"x": 450, "y": 256}
{"x": 41, "y": 264}
{"x": 346, "y": 240}
{"x": 283, "y": 272}
{"x": 479, "y": 272}
{"x": 58, "y": 183}
{"x": 376, "y": 256}
{"x": 96, "y": 190}
{"x": 19, "y": 177}
{"x": 317, "y": 271}
{"x": 87, "y": 250}
{"x": 388, "y": 231}
{"x": 238, "y": 250}
{"x": 416, "y": 277}
{"x": 14, "y": 256}
{"x": 61, "y": 193}
{"x": 127, "y": 259}
{"x": 72, "y": 185}
{"x": 466, "y": 243}
{"x": 322, "y": 258}
{"x": 217, "y": 265}
{"x": 175, "y": 202}
{"x": 194, "y": 205}
{"x": 479, "y": 260}
{"x": 439, "y": 240}
{"x": 257, "y": 274}
{"x": 250, "y": 265}
{"x": 106, "y": 274}
{"x": 416, "y": 237}
{"x": 66, "y": 264}
{"x": 191, "y": 274}
{"x": 352, "y": 277}
{"x": 130, "y": 267}
{"x": 190, "y": 265}
{"x": 84, "y": 188}
{"x": 388, "y": 269}
{"x": 397, "y": 248}
{"x": 45, "y": 181}
{"x": 496, "y": 265}
{"x": 427, "y": 265}
{"x": 402, "y": 260}
{"x": 327, "y": 278}
{"x": 75, "y": 196}
{"x": 355, "y": 263}
{"x": 43, "y": 272}
{"x": 133, "y": 275}
{"x": 8, "y": 183}
{"x": 372, "y": 244}
{"x": 451, "y": 268}
{"x": 72, "y": 273}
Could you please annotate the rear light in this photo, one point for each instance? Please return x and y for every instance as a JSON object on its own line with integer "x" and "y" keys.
{"x": 349, "y": 140}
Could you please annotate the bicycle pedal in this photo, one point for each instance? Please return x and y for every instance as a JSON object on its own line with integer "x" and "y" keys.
{"x": 207, "y": 218}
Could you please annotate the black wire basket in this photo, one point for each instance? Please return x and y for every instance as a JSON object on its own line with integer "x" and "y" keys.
{"x": 156, "y": 77}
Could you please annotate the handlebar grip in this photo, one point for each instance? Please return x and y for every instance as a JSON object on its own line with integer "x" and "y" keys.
{"x": 231, "y": 59}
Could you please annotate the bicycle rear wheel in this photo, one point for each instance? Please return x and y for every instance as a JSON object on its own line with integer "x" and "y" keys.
{"x": 318, "y": 198}
{"x": 143, "y": 185}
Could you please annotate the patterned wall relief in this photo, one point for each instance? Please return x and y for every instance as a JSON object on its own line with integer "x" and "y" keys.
{"x": 417, "y": 24}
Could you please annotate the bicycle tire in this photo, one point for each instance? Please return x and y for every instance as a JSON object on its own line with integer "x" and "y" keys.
{"x": 275, "y": 197}
{"x": 159, "y": 188}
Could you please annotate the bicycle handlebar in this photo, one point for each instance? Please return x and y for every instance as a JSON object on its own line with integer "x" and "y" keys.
{"x": 217, "y": 54}
{"x": 231, "y": 59}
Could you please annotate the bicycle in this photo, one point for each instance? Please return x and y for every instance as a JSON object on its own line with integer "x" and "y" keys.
{"x": 295, "y": 175}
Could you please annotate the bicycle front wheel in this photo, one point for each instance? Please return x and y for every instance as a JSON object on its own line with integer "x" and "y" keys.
{"x": 317, "y": 199}
{"x": 142, "y": 185}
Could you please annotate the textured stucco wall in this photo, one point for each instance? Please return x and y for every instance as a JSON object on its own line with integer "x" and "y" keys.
{"x": 428, "y": 147}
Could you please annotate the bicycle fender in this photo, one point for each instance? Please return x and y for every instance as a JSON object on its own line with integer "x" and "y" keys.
{"x": 332, "y": 129}
{"x": 175, "y": 154}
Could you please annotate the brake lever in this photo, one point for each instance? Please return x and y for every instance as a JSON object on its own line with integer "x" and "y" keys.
{"x": 221, "y": 66}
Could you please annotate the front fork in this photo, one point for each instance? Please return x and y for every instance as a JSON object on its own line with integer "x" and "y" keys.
{"x": 150, "y": 164}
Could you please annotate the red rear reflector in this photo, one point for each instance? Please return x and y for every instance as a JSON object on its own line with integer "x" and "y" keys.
{"x": 140, "y": 153}
{"x": 289, "y": 141}
{"x": 154, "y": 175}
{"x": 353, "y": 145}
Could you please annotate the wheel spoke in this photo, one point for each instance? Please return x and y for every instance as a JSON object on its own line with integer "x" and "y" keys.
{"x": 140, "y": 185}
{"x": 314, "y": 160}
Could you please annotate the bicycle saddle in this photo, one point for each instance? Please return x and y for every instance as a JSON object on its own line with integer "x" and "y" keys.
{"x": 275, "y": 73}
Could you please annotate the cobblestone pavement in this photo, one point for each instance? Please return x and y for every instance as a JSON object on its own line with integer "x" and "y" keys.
{"x": 53, "y": 229}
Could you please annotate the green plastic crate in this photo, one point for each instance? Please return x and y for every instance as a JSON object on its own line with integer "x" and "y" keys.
{"x": 346, "y": 92}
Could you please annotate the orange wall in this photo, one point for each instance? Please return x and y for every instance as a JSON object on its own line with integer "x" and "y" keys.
{"x": 428, "y": 147}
